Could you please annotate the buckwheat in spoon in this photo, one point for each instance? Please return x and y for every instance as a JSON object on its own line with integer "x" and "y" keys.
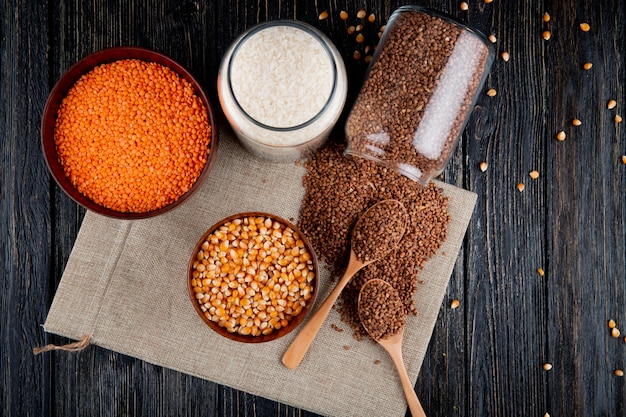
{"x": 377, "y": 232}
{"x": 382, "y": 315}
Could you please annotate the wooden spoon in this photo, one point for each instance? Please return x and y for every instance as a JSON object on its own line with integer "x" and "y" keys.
{"x": 391, "y": 343}
{"x": 376, "y": 217}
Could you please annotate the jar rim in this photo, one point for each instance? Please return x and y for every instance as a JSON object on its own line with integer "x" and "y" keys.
{"x": 311, "y": 31}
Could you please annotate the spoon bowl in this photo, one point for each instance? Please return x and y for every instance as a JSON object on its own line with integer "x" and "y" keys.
{"x": 386, "y": 328}
{"x": 376, "y": 218}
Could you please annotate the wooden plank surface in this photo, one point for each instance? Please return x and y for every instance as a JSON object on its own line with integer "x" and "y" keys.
{"x": 485, "y": 358}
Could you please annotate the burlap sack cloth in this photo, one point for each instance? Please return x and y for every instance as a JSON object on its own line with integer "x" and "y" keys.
{"x": 125, "y": 286}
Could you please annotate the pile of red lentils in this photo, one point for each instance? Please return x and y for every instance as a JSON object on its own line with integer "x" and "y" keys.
{"x": 132, "y": 136}
{"x": 338, "y": 190}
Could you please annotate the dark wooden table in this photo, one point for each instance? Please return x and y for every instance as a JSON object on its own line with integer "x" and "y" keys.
{"x": 485, "y": 358}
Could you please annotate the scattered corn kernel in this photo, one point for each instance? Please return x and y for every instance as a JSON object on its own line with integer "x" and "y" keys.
{"x": 505, "y": 56}
{"x": 611, "y": 104}
{"x": 546, "y": 17}
{"x": 611, "y": 324}
{"x": 360, "y": 38}
{"x": 618, "y": 118}
{"x": 561, "y": 136}
{"x": 464, "y": 5}
{"x": 520, "y": 187}
{"x": 483, "y": 166}
{"x": 615, "y": 332}
{"x": 367, "y": 59}
{"x": 455, "y": 304}
{"x": 488, "y": 1}
{"x": 618, "y": 372}
{"x": 371, "y": 18}
{"x": 624, "y": 159}
{"x": 585, "y": 27}
{"x": 359, "y": 27}
{"x": 323, "y": 15}
{"x": 587, "y": 66}
{"x": 493, "y": 38}
{"x": 547, "y": 366}
{"x": 351, "y": 30}
{"x": 534, "y": 174}
{"x": 492, "y": 92}
{"x": 361, "y": 14}
{"x": 541, "y": 272}
{"x": 546, "y": 35}
{"x": 356, "y": 55}
{"x": 577, "y": 122}
{"x": 343, "y": 15}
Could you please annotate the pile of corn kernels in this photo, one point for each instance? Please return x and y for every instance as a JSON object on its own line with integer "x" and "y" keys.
{"x": 253, "y": 275}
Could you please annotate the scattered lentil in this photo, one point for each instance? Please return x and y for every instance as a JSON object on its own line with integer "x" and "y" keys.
{"x": 587, "y": 66}
{"x": 379, "y": 230}
{"x": 618, "y": 118}
{"x": 455, "y": 304}
{"x": 611, "y": 104}
{"x": 618, "y": 372}
{"x": 492, "y": 92}
{"x": 361, "y": 14}
{"x": 381, "y": 309}
{"x": 585, "y": 27}
{"x": 577, "y": 122}
{"x": 547, "y": 366}
{"x": 615, "y": 332}
{"x": 132, "y": 135}
{"x": 337, "y": 191}
{"x": 483, "y": 166}
{"x": 561, "y": 136}
{"x": 520, "y": 187}
{"x": 253, "y": 275}
{"x": 534, "y": 174}
{"x": 343, "y": 15}
{"x": 546, "y": 17}
{"x": 505, "y": 56}
{"x": 464, "y": 5}
{"x": 323, "y": 15}
{"x": 546, "y": 35}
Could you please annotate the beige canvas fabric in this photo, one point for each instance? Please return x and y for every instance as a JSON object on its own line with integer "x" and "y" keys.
{"x": 125, "y": 285}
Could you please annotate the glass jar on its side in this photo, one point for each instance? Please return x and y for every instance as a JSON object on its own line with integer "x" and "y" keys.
{"x": 282, "y": 85}
{"x": 418, "y": 92}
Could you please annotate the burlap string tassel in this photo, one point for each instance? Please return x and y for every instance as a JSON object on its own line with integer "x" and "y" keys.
{"x": 71, "y": 347}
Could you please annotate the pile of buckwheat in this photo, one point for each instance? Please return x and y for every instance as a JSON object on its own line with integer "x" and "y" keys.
{"x": 338, "y": 190}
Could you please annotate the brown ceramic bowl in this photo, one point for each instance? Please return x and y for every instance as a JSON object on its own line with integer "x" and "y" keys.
{"x": 293, "y": 323}
{"x": 61, "y": 89}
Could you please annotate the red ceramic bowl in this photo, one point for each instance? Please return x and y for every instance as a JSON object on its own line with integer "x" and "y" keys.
{"x": 293, "y": 323}
{"x": 61, "y": 89}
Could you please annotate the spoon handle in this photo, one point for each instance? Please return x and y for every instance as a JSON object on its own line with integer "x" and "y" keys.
{"x": 300, "y": 345}
{"x": 409, "y": 392}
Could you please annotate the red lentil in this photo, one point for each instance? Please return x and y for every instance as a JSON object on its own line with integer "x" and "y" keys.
{"x": 132, "y": 135}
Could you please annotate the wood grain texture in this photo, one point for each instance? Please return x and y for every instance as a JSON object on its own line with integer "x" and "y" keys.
{"x": 485, "y": 358}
